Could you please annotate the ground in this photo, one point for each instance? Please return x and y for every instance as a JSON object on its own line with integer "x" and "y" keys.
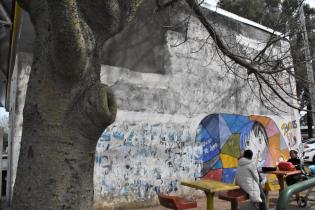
{"x": 224, "y": 205}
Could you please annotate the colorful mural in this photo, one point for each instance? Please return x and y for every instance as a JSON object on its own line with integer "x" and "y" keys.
{"x": 289, "y": 130}
{"x": 223, "y": 137}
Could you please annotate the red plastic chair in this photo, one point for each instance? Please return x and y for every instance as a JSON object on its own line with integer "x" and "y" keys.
{"x": 175, "y": 202}
{"x": 235, "y": 197}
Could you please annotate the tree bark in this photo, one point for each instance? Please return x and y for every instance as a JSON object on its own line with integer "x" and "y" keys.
{"x": 66, "y": 107}
{"x": 308, "y": 63}
{"x": 309, "y": 120}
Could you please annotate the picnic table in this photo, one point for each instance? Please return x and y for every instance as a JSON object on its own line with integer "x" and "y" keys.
{"x": 281, "y": 175}
{"x": 209, "y": 187}
{"x": 281, "y": 179}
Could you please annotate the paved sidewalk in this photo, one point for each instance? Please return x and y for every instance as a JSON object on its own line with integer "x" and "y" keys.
{"x": 224, "y": 205}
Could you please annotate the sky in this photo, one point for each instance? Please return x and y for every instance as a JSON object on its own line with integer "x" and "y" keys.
{"x": 310, "y": 2}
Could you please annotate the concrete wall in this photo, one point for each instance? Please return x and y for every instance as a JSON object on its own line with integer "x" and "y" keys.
{"x": 152, "y": 144}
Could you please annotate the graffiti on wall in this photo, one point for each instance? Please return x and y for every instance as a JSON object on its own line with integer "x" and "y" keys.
{"x": 289, "y": 130}
{"x": 134, "y": 159}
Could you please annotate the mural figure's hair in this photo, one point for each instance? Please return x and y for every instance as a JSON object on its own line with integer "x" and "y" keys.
{"x": 248, "y": 154}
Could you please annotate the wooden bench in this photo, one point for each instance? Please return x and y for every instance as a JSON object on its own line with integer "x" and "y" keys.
{"x": 175, "y": 202}
{"x": 238, "y": 196}
{"x": 234, "y": 196}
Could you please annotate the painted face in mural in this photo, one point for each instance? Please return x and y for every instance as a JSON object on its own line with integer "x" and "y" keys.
{"x": 257, "y": 142}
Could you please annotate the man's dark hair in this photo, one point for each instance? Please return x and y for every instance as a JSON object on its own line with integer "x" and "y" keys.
{"x": 248, "y": 154}
{"x": 294, "y": 151}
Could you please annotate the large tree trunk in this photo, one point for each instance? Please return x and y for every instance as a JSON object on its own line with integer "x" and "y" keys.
{"x": 55, "y": 169}
{"x": 66, "y": 107}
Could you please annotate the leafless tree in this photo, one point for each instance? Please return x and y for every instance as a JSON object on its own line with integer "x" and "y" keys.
{"x": 67, "y": 108}
{"x": 271, "y": 68}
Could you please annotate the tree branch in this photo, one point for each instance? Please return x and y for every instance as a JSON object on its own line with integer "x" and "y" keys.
{"x": 251, "y": 68}
{"x": 196, "y": 8}
{"x": 94, "y": 110}
{"x": 276, "y": 92}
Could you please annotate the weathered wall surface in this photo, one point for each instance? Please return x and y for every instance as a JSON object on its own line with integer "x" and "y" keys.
{"x": 144, "y": 153}
{"x": 152, "y": 145}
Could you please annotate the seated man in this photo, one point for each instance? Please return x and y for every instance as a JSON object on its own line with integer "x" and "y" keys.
{"x": 294, "y": 159}
{"x": 248, "y": 179}
{"x": 296, "y": 162}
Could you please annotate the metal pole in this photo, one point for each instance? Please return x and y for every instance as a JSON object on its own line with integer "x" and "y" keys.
{"x": 14, "y": 37}
{"x": 283, "y": 200}
{"x": 1, "y": 148}
{"x": 9, "y": 106}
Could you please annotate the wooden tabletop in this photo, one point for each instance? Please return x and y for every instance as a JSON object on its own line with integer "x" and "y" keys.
{"x": 209, "y": 185}
{"x": 284, "y": 173}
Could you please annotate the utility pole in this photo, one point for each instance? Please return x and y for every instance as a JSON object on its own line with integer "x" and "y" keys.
{"x": 308, "y": 63}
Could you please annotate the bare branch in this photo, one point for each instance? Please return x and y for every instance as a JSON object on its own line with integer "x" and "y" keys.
{"x": 275, "y": 91}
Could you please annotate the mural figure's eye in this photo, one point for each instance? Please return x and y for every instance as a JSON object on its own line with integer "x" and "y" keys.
{"x": 260, "y": 141}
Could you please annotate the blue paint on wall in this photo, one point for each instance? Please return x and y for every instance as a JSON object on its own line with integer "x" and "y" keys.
{"x": 235, "y": 122}
{"x": 245, "y": 132}
{"x": 202, "y": 134}
{"x": 228, "y": 175}
{"x": 210, "y": 150}
{"x": 118, "y": 135}
{"x": 105, "y": 136}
